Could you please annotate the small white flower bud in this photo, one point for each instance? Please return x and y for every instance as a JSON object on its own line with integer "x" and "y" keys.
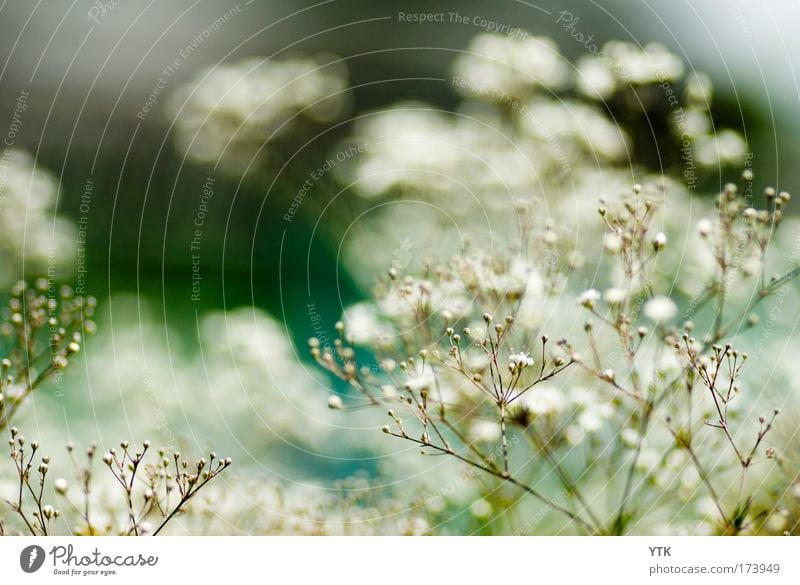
{"x": 61, "y": 486}
{"x": 660, "y": 309}
{"x": 588, "y": 298}
{"x": 704, "y": 227}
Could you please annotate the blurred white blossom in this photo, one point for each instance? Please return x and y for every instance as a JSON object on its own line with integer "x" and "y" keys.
{"x": 231, "y": 111}
{"x": 33, "y": 236}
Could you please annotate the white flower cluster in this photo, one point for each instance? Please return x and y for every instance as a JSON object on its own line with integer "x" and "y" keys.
{"x": 522, "y": 140}
{"x": 619, "y": 64}
{"x": 626, "y": 355}
{"x": 499, "y": 66}
{"x": 519, "y": 361}
{"x": 30, "y": 229}
{"x": 420, "y": 149}
{"x": 230, "y": 112}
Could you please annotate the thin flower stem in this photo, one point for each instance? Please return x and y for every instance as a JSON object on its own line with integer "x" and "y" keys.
{"x": 568, "y": 483}
{"x": 510, "y": 479}
{"x": 503, "y": 437}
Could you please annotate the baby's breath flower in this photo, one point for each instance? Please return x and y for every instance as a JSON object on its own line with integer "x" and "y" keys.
{"x": 704, "y": 227}
{"x": 519, "y": 361}
{"x": 660, "y": 309}
{"x": 630, "y": 437}
{"x": 545, "y": 400}
{"x": 61, "y": 486}
{"x": 588, "y": 298}
{"x": 608, "y": 375}
{"x": 612, "y": 243}
{"x": 615, "y": 295}
{"x": 481, "y": 509}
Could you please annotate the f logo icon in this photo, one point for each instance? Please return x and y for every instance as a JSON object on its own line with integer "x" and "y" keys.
{"x": 31, "y": 558}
